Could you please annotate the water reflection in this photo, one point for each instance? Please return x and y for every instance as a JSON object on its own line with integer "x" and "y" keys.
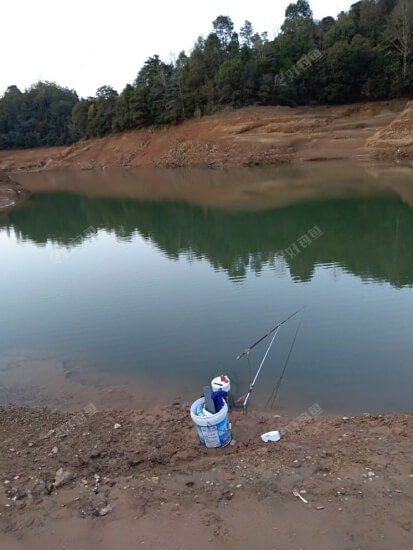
{"x": 368, "y": 237}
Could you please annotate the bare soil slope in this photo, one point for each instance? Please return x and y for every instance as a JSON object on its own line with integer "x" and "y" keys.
{"x": 250, "y": 136}
{"x": 396, "y": 139}
{"x": 141, "y": 480}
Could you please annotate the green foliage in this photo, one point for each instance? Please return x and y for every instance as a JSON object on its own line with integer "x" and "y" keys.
{"x": 40, "y": 116}
{"x": 80, "y": 116}
{"x": 367, "y": 54}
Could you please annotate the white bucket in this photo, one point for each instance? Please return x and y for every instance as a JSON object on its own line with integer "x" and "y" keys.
{"x": 214, "y": 430}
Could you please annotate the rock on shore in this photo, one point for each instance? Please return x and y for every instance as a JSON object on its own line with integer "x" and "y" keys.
{"x": 11, "y": 192}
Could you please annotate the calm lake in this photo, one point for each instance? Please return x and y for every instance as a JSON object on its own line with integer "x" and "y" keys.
{"x": 160, "y": 278}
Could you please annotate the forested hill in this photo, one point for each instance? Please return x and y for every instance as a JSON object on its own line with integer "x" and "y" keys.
{"x": 364, "y": 54}
{"x": 40, "y": 116}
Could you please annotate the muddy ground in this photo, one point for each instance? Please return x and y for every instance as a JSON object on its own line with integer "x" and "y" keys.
{"x": 136, "y": 479}
{"x": 246, "y": 137}
{"x": 11, "y": 192}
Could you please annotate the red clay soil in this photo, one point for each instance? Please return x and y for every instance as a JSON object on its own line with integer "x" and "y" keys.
{"x": 246, "y": 137}
{"x": 140, "y": 479}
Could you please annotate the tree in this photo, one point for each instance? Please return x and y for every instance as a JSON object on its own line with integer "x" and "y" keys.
{"x": 400, "y": 33}
{"x": 339, "y": 86}
{"x": 160, "y": 86}
{"x": 298, "y": 32}
{"x": 300, "y": 9}
{"x": 105, "y": 108}
{"x": 106, "y": 93}
{"x": 213, "y": 55}
{"x": 259, "y": 42}
{"x": 224, "y": 28}
{"x": 345, "y": 28}
{"x": 12, "y": 90}
{"x": 194, "y": 79}
{"x": 80, "y": 116}
{"x": 246, "y": 33}
{"x": 229, "y": 82}
{"x": 176, "y": 100}
{"x": 124, "y": 117}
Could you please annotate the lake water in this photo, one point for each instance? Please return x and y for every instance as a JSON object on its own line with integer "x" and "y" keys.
{"x": 160, "y": 278}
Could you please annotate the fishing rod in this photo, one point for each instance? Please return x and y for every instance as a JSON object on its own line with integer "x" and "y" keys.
{"x": 246, "y": 351}
{"x": 244, "y": 405}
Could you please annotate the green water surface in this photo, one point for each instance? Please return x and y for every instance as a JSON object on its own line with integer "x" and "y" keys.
{"x": 168, "y": 291}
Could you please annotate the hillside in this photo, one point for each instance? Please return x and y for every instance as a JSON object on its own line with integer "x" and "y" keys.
{"x": 245, "y": 137}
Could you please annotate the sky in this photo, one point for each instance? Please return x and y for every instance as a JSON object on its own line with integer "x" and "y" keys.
{"x": 84, "y": 44}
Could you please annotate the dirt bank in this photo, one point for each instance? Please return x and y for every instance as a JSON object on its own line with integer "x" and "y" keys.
{"x": 247, "y": 137}
{"x": 395, "y": 141}
{"x": 11, "y": 192}
{"x": 135, "y": 479}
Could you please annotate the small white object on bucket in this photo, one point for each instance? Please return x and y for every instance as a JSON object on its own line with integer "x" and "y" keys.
{"x": 221, "y": 383}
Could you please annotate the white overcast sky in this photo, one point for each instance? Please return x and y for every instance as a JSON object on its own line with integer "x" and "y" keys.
{"x": 84, "y": 44}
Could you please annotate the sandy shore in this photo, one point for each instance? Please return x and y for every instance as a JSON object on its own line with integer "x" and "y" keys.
{"x": 134, "y": 479}
{"x": 246, "y": 137}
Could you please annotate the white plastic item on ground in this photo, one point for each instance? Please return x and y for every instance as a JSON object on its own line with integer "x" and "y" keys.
{"x": 214, "y": 430}
{"x": 271, "y": 436}
{"x": 221, "y": 383}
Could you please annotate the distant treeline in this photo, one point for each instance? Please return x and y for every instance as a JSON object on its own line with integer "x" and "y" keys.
{"x": 365, "y": 54}
{"x": 38, "y": 117}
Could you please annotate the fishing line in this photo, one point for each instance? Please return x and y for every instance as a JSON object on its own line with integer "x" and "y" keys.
{"x": 249, "y": 369}
{"x": 273, "y": 396}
